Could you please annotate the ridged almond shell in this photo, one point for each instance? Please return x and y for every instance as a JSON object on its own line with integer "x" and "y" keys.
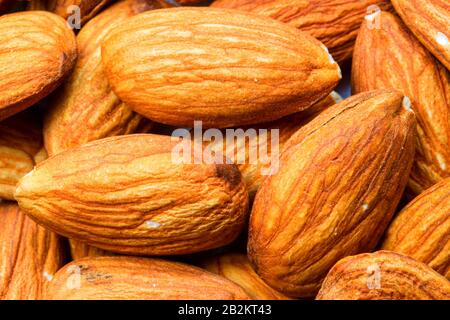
{"x": 383, "y": 275}
{"x": 229, "y": 68}
{"x": 422, "y": 229}
{"x": 340, "y": 179}
{"x": 127, "y": 194}
{"x": 29, "y": 255}
{"x": 36, "y": 51}
{"x": 126, "y": 278}
{"x": 391, "y": 57}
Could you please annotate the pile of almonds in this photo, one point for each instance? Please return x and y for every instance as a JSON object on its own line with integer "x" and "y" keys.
{"x": 94, "y": 205}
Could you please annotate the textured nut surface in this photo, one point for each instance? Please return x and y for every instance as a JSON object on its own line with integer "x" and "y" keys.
{"x": 32, "y": 67}
{"x": 20, "y": 142}
{"x": 30, "y": 255}
{"x": 85, "y": 108}
{"x": 125, "y": 194}
{"x": 341, "y": 177}
{"x": 383, "y": 275}
{"x": 229, "y": 68}
{"x": 237, "y": 268}
{"x": 109, "y": 278}
{"x": 334, "y": 22}
{"x": 429, "y": 20}
{"x": 422, "y": 229}
{"x": 391, "y": 57}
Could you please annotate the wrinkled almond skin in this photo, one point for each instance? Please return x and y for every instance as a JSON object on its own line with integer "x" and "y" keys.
{"x": 85, "y": 108}
{"x": 334, "y": 22}
{"x": 237, "y": 268}
{"x": 422, "y": 229}
{"x": 80, "y": 250}
{"x": 20, "y": 142}
{"x": 391, "y": 57}
{"x": 137, "y": 202}
{"x": 30, "y": 255}
{"x": 429, "y": 20}
{"x": 383, "y": 275}
{"x": 126, "y": 278}
{"x": 32, "y": 67}
{"x": 341, "y": 177}
{"x": 228, "y": 69}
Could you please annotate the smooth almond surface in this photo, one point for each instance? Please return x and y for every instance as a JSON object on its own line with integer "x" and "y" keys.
{"x": 125, "y": 278}
{"x": 341, "y": 177}
{"x": 126, "y": 194}
{"x": 36, "y": 51}
{"x": 383, "y": 275}
{"x": 229, "y": 68}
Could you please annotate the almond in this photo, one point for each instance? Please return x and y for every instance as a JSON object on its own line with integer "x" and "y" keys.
{"x": 20, "y": 142}
{"x": 30, "y": 255}
{"x": 341, "y": 177}
{"x": 80, "y": 250}
{"x": 391, "y": 57}
{"x": 85, "y": 108}
{"x": 126, "y": 278}
{"x": 383, "y": 275}
{"x": 32, "y": 67}
{"x": 227, "y": 69}
{"x": 422, "y": 229}
{"x": 334, "y": 22}
{"x": 429, "y": 20}
{"x": 127, "y": 195}
{"x": 237, "y": 268}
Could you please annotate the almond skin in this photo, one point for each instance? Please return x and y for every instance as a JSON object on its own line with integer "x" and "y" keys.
{"x": 422, "y": 229}
{"x": 80, "y": 250}
{"x": 429, "y": 20}
{"x": 32, "y": 67}
{"x": 125, "y": 194}
{"x": 391, "y": 57}
{"x": 341, "y": 177}
{"x": 237, "y": 268}
{"x": 228, "y": 69}
{"x": 127, "y": 278}
{"x": 383, "y": 275}
{"x": 20, "y": 142}
{"x": 334, "y": 22}
{"x": 85, "y": 108}
{"x": 30, "y": 255}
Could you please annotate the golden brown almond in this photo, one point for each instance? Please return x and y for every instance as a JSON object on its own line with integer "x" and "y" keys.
{"x": 30, "y": 255}
{"x": 36, "y": 52}
{"x": 383, "y": 275}
{"x": 340, "y": 179}
{"x": 20, "y": 142}
{"x": 237, "y": 268}
{"x": 391, "y": 57}
{"x": 85, "y": 108}
{"x": 429, "y": 20}
{"x": 126, "y": 194}
{"x": 239, "y": 70}
{"x": 127, "y": 278}
{"x": 422, "y": 229}
{"x": 80, "y": 250}
{"x": 334, "y": 22}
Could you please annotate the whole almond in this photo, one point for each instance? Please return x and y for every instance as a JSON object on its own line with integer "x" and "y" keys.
{"x": 383, "y": 275}
{"x": 390, "y": 57}
{"x": 422, "y": 229}
{"x": 341, "y": 177}
{"x": 30, "y": 255}
{"x": 32, "y": 67}
{"x": 334, "y": 22}
{"x": 429, "y": 20}
{"x": 126, "y": 278}
{"x": 127, "y": 195}
{"x": 237, "y": 268}
{"x": 228, "y": 69}
{"x": 85, "y": 108}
